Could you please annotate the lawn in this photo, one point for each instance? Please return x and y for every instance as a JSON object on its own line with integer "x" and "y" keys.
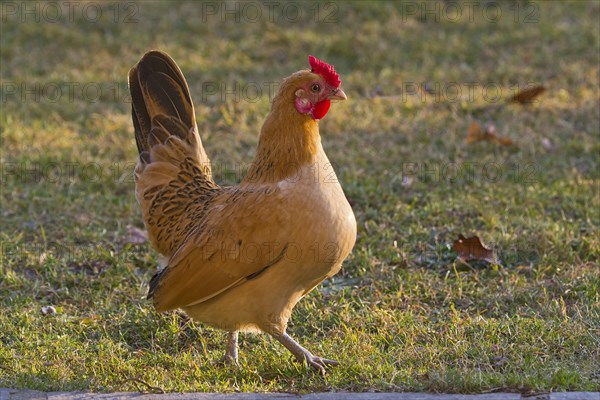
{"x": 404, "y": 314}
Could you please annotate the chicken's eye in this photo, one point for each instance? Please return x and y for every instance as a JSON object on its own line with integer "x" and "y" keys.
{"x": 315, "y": 87}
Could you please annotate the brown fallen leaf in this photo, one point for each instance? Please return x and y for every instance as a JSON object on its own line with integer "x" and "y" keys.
{"x": 476, "y": 134}
{"x": 135, "y": 235}
{"x": 528, "y": 95}
{"x": 469, "y": 249}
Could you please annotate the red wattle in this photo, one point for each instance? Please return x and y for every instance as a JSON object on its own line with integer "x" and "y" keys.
{"x": 320, "y": 109}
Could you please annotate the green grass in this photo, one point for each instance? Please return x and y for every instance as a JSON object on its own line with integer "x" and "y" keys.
{"x": 403, "y": 315}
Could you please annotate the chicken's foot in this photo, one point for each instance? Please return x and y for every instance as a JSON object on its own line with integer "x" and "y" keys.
{"x": 303, "y": 355}
{"x": 231, "y": 350}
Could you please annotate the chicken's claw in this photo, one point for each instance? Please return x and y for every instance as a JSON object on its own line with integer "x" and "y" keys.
{"x": 302, "y": 355}
{"x": 319, "y": 363}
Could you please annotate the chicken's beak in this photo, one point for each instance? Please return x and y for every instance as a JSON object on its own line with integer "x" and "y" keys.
{"x": 338, "y": 94}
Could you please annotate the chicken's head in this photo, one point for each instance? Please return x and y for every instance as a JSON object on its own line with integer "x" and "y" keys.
{"x": 317, "y": 88}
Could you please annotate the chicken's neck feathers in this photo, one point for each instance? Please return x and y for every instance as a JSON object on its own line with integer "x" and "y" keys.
{"x": 288, "y": 141}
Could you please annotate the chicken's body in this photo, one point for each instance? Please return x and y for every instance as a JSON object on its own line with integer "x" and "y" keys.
{"x": 310, "y": 219}
{"x": 239, "y": 258}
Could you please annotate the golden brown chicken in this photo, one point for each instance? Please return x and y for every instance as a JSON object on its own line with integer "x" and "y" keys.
{"x": 240, "y": 258}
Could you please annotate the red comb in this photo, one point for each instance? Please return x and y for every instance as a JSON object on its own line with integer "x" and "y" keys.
{"x": 325, "y": 70}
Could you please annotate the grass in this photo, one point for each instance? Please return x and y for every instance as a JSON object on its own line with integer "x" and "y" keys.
{"x": 404, "y": 314}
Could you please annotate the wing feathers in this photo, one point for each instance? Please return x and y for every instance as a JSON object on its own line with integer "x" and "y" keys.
{"x": 199, "y": 275}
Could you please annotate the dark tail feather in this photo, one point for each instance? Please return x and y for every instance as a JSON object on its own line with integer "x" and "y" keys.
{"x": 139, "y": 115}
{"x": 159, "y": 90}
{"x": 154, "y": 283}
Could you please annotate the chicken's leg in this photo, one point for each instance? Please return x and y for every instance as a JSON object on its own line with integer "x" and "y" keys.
{"x": 231, "y": 350}
{"x": 302, "y": 354}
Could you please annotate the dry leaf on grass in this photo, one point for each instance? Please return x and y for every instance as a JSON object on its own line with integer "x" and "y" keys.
{"x": 528, "y": 95}
{"x": 469, "y": 249}
{"x": 476, "y": 134}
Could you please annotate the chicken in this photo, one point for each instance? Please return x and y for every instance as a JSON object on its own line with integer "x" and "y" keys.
{"x": 240, "y": 258}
